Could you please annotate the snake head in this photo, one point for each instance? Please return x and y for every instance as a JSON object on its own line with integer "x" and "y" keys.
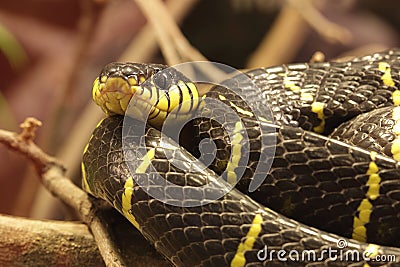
{"x": 119, "y": 82}
{"x": 152, "y": 91}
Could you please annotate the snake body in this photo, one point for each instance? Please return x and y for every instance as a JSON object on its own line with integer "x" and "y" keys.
{"x": 347, "y": 187}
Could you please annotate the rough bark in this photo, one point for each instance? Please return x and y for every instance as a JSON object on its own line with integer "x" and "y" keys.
{"x": 26, "y": 242}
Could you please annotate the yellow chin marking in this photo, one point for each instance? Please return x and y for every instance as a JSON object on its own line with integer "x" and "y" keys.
{"x": 113, "y": 94}
{"x": 142, "y": 79}
{"x": 132, "y": 81}
{"x": 96, "y": 89}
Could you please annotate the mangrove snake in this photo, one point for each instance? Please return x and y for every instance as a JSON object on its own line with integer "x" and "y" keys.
{"x": 335, "y": 189}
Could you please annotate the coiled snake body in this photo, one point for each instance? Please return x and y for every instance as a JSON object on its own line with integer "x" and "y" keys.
{"x": 336, "y": 190}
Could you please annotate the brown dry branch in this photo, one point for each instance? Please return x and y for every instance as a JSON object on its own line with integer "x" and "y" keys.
{"x": 27, "y": 242}
{"x": 52, "y": 176}
{"x": 318, "y": 56}
{"x": 329, "y": 30}
{"x": 22, "y": 143}
{"x": 290, "y": 30}
{"x": 282, "y": 41}
{"x": 144, "y": 45}
{"x": 29, "y": 127}
{"x": 57, "y": 117}
{"x": 175, "y": 47}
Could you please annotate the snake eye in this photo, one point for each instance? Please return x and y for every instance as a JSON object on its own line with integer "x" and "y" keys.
{"x": 160, "y": 80}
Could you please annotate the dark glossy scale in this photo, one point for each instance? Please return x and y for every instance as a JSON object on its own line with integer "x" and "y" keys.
{"x": 346, "y": 88}
{"x": 317, "y": 182}
{"x": 373, "y": 130}
{"x": 207, "y": 235}
{"x": 140, "y": 71}
{"x": 314, "y": 179}
{"x": 128, "y": 70}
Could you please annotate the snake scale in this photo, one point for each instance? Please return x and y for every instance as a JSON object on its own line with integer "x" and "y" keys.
{"x": 331, "y": 196}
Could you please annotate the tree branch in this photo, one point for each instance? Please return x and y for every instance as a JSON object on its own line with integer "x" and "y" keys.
{"x": 27, "y": 242}
{"x": 331, "y": 31}
{"x": 175, "y": 47}
{"x": 289, "y": 31}
{"x": 23, "y": 143}
{"x": 282, "y": 41}
{"x": 52, "y": 176}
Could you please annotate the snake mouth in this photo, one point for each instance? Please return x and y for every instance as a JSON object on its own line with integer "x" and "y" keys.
{"x": 113, "y": 94}
{"x": 118, "y": 83}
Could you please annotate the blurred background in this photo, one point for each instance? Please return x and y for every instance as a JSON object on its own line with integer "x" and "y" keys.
{"x": 52, "y": 50}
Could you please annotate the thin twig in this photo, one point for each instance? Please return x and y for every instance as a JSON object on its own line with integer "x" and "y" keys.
{"x": 289, "y": 31}
{"x": 176, "y": 48}
{"x": 331, "y": 31}
{"x": 318, "y": 56}
{"x": 144, "y": 45}
{"x": 56, "y": 109}
{"x": 282, "y": 41}
{"x": 52, "y": 172}
{"x": 174, "y": 45}
{"x": 159, "y": 19}
{"x": 24, "y": 145}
